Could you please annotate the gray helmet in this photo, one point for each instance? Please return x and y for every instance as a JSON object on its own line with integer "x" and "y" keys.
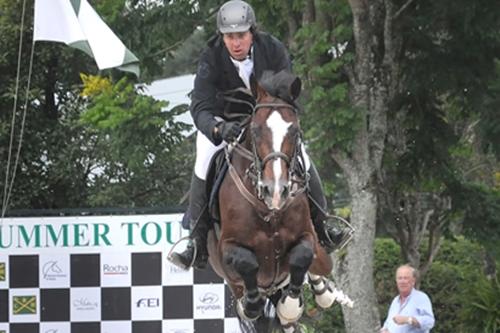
{"x": 235, "y": 16}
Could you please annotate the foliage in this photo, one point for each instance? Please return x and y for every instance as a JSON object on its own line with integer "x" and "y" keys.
{"x": 448, "y": 284}
{"x": 317, "y": 320}
{"x": 480, "y": 207}
{"x": 67, "y": 163}
{"x": 482, "y": 312}
{"x": 489, "y": 123}
{"x": 329, "y": 118}
{"x": 136, "y": 141}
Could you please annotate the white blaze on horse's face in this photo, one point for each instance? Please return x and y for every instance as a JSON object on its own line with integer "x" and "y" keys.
{"x": 279, "y": 128}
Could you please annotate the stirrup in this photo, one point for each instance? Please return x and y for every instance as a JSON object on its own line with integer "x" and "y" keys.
{"x": 176, "y": 262}
{"x": 347, "y": 233}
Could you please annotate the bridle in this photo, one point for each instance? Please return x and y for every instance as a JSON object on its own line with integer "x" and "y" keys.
{"x": 297, "y": 177}
{"x": 258, "y": 164}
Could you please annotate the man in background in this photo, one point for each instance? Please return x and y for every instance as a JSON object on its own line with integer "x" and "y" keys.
{"x": 411, "y": 310}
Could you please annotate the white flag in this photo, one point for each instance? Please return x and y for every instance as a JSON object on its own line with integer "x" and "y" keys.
{"x": 75, "y": 23}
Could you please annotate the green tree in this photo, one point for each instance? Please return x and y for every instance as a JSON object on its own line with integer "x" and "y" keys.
{"x": 60, "y": 155}
{"x": 137, "y": 143}
{"x": 382, "y": 81}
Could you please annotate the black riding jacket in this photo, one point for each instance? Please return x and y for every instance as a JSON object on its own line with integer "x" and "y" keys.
{"x": 216, "y": 74}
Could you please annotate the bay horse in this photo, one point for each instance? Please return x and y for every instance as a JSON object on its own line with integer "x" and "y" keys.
{"x": 266, "y": 244}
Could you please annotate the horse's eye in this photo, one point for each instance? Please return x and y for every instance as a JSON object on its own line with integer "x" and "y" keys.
{"x": 293, "y": 131}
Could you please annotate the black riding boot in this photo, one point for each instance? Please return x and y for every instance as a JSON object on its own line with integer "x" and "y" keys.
{"x": 330, "y": 236}
{"x": 198, "y": 216}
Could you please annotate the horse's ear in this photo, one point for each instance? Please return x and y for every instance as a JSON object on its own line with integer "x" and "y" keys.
{"x": 295, "y": 88}
{"x": 253, "y": 85}
{"x": 257, "y": 90}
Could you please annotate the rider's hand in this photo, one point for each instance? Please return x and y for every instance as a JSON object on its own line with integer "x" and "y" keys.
{"x": 229, "y": 130}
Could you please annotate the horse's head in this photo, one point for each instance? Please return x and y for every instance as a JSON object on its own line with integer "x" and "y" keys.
{"x": 275, "y": 136}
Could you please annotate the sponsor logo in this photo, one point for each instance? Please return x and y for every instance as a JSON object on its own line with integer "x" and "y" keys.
{"x": 2, "y": 274}
{"x": 209, "y": 298}
{"x": 148, "y": 303}
{"x": 52, "y": 330}
{"x": 24, "y": 305}
{"x": 84, "y": 304}
{"x": 209, "y": 302}
{"x": 51, "y": 271}
{"x": 176, "y": 270}
{"x": 115, "y": 269}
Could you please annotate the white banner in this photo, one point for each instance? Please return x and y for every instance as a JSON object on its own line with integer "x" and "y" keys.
{"x": 105, "y": 274}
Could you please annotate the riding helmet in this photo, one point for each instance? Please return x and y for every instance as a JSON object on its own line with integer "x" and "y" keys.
{"x": 235, "y": 16}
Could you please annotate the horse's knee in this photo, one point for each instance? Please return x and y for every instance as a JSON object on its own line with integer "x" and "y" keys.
{"x": 241, "y": 260}
{"x": 301, "y": 256}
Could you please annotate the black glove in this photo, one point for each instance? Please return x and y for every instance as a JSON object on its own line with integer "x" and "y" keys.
{"x": 228, "y": 130}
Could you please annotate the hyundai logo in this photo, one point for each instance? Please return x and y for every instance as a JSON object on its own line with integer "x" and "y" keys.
{"x": 209, "y": 298}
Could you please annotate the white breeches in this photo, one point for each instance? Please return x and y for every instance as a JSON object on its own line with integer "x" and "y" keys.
{"x": 205, "y": 150}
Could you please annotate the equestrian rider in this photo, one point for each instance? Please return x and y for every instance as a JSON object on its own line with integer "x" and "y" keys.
{"x": 237, "y": 52}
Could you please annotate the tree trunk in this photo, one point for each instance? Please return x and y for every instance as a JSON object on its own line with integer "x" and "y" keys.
{"x": 355, "y": 272}
{"x": 372, "y": 86}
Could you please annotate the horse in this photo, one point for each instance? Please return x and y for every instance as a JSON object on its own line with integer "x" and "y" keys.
{"x": 265, "y": 245}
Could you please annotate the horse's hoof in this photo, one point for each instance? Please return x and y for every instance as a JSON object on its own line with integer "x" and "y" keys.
{"x": 250, "y": 310}
{"x": 290, "y": 308}
{"x": 291, "y": 328}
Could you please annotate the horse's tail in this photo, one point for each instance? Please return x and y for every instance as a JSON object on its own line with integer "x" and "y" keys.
{"x": 267, "y": 323}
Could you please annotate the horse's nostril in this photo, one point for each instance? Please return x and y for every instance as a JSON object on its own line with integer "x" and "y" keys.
{"x": 284, "y": 191}
{"x": 267, "y": 190}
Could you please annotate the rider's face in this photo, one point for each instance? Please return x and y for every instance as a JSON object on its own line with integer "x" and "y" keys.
{"x": 238, "y": 44}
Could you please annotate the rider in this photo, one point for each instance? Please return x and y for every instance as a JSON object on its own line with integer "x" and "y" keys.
{"x": 238, "y": 51}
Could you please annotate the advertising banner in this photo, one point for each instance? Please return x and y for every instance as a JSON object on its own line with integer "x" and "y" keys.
{"x": 105, "y": 274}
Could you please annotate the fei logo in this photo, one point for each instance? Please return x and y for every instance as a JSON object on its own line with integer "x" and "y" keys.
{"x": 148, "y": 303}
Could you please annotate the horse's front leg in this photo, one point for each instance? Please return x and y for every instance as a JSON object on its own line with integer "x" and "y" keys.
{"x": 291, "y": 304}
{"x": 244, "y": 262}
{"x": 325, "y": 292}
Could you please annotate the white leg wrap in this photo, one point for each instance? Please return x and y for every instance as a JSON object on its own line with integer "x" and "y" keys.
{"x": 326, "y": 293}
{"x": 290, "y": 309}
{"x": 323, "y": 295}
